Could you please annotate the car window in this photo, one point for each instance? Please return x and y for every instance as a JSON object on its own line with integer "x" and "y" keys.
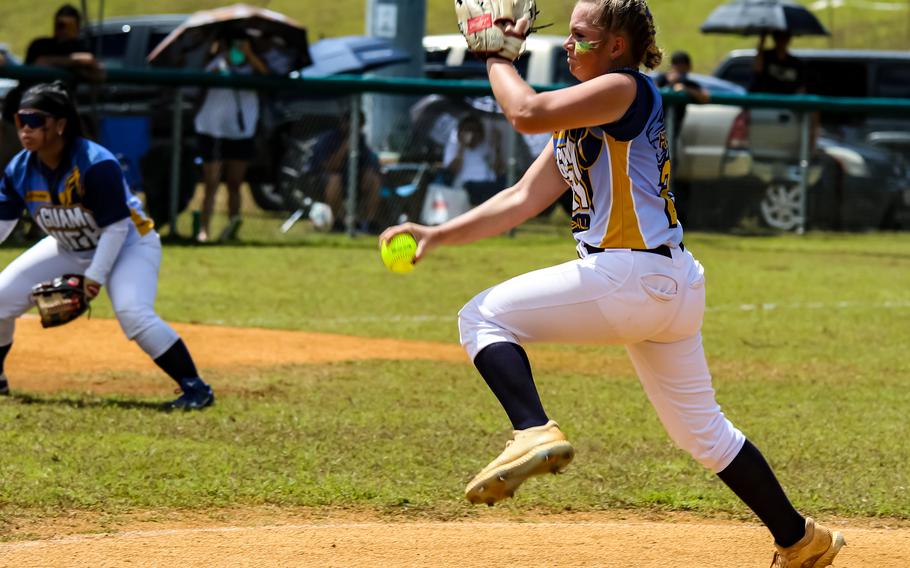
{"x": 717, "y": 86}
{"x": 470, "y": 68}
{"x": 436, "y": 56}
{"x": 893, "y": 80}
{"x": 738, "y": 71}
{"x": 521, "y": 64}
{"x": 113, "y": 47}
{"x": 838, "y": 78}
{"x": 154, "y": 39}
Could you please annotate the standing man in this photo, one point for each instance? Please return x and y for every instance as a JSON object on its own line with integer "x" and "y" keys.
{"x": 677, "y": 78}
{"x": 776, "y": 70}
{"x": 66, "y": 49}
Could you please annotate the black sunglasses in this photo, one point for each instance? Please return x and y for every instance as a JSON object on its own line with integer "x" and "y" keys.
{"x": 31, "y": 119}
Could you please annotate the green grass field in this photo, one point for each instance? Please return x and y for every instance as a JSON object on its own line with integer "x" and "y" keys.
{"x": 806, "y": 336}
{"x": 855, "y": 25}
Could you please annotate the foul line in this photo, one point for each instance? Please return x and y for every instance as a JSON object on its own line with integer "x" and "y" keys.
{"x": 766, "y": 307}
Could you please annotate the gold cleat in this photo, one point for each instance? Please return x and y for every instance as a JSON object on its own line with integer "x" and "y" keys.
{"x": 532, "y": 451}
{"x": 816, "y": 549}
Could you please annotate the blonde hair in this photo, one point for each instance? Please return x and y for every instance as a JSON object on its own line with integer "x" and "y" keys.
{"x": 634, "y": 18}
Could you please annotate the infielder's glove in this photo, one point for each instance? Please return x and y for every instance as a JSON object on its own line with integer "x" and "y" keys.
{"x": 60, "y": 300}
{"x": 482, "y": 23}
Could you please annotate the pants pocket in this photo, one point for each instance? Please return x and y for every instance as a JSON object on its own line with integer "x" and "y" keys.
{"x": 660, "y": 287}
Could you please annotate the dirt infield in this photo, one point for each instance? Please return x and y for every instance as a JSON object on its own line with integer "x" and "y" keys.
{"x": 49, "y": 360}
{"x": 57, "y": 360}
{"x": 356, "y": 541}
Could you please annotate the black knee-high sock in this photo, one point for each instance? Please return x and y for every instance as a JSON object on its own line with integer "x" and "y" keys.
{"x": 4, "y": 351}
{"x": 751, "y": 478}
{"x": 506, "y": 369}
{"x": 178, "y": 363}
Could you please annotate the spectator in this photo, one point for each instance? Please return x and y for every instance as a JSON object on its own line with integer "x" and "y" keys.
{"x": 276, "y": 54}
{"x": 329, "y": 162}
{"x": 226, "y": 126}
{"x": 9, "y": 139}
{"x": 677, "y": 78}
{"x": 66, "y": 49}
{"x": 473, "y": 160}
{"x": 776, "y": 70}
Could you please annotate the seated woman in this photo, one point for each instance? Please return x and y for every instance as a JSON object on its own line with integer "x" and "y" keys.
{"x": 473, "y": 161}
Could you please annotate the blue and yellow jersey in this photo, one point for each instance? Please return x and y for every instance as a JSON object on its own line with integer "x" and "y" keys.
{"x": 619, "y": 174}
{"x": 72, "y": 203}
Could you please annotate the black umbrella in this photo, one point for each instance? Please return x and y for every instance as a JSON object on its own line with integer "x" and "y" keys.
{"x": 202, "y": 28}
{"x": 352, "y": 54}
{"x": 754, "y": 17}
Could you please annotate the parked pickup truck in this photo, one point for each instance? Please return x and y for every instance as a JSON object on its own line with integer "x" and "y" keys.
{"x": 858, "y": 172}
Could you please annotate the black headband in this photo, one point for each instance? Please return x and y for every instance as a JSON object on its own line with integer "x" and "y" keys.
{"x": 55, "y": 104}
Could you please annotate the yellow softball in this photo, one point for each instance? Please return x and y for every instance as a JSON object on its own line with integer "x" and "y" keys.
{"x": 398, "y": 252}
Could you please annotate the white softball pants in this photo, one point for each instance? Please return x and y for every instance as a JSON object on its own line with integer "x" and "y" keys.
{"x": 652, "y": 304}
{"x": 132, "y": 287}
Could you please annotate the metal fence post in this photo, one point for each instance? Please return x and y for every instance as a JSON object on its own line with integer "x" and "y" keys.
{"x": 176, "y": 151}
{"x": 512, "y": 160}
{"x": 805, "y": 128}
{"x": 512, "y": 163}
{"x": 350, "y": 219}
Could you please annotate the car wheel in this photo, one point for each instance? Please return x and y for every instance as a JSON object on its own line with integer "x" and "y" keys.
{"x": 267, "y": 196}
{"x": 780, "y": 207}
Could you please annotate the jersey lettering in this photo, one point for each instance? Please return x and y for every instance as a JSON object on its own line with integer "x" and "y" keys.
{"x": 576, "y": 152}
{"x": 657, "y": 133}
{"x": 74, "y": 227}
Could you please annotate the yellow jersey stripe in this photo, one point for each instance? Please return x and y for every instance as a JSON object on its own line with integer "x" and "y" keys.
{"x": 143, "y": 224}
{"x": 623, "y": 230}
{"x": 39, "y": 196}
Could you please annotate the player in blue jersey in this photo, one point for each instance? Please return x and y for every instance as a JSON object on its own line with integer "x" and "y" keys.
{"x": 634, "y": 284}
{"x": 75, "y": 191}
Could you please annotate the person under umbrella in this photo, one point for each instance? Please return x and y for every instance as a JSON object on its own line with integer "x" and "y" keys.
{"x": 776, "y": 70}
{"x": 226, "y": 124}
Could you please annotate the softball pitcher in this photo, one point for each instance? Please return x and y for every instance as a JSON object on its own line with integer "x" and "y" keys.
{"x": 634, "y": 282}
{"x": 75, "y": 191}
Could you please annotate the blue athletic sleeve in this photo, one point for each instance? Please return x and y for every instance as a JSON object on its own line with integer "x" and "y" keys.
{"x": 11, "y": 203}
{"x": 633, "y": 122}
{"x": 105, "y": 193}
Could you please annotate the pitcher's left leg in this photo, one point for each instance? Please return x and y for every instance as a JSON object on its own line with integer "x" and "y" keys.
{"x": 132, "y": 287}
{"x": 676, "y": 379}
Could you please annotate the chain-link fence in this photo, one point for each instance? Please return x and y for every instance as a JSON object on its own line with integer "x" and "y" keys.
{"x": 313, "y": 154}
